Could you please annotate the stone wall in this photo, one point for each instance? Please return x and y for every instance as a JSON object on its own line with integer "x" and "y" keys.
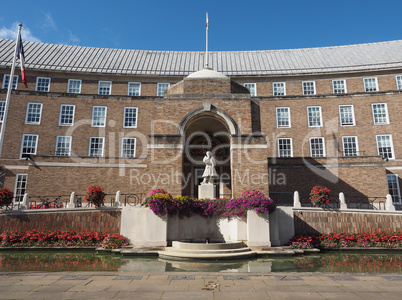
{"x": 79, "y": 220}
{"x": 319, "y": 221}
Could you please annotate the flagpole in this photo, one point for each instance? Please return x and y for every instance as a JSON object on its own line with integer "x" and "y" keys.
{"x": 10, "y": 87}
{"x": 206, "y": 43}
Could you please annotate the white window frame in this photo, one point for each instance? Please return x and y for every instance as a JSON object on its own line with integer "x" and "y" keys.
{"x": 355, "y": 150}
{"x": 103, "y": 146}
{"x": 37, "y": 83}
{"x": 7, "y": 76}
{"x": 100, "y": 83}
{"x": 57, "y": 143}
{"x": 93, "y": 116}
{"x": 352, "y": 112}
{"x": 16, "y": 194}
{"x": 277, "y": 117}
{"x": 291, "y": 147}
{"x": 305, "y": 91}
{"x": 252, "y": 87}
{"x": 391, "y": 145}
{"x": 396, "y": 180}
{"x": 122, "y": 146}
{"x": 22, "y": 145}
{"x": 79, "y": 89}
{"x": 60, "y": 115}
{"x": 2, "y": 109}
{"x": 309, "y": 121}
{"x": 139, "y": 88}
{"x": 161, "y": 93}
{"x": 335, "y": 89}
{"x": 398, "y": 79}
{"x": 136, "y": 117}
{"x": 367, "y": 88}
{"x": 386, "y": 114}
{"x": 274, "y": 92}
{"x": 323, "y": 146}
{"x": 27, "y": 113}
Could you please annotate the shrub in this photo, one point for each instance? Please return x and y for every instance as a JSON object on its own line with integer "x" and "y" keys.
{"x": 6, "y": 197}
{"x": 95, "y": 195}
{"x": 184, "y": 206}
{"x": 319, "y": 195}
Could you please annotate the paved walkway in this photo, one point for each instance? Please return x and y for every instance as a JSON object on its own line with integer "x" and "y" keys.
{"x": 144, "y": 285}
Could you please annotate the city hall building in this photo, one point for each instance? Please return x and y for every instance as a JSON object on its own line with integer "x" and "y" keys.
{"x": 133, "y": 120}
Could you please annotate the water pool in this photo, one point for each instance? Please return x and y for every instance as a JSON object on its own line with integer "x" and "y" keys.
{"x": 348, "y": 262}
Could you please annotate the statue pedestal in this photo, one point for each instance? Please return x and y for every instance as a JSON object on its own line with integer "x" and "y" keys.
{"x": 206, "y": 190}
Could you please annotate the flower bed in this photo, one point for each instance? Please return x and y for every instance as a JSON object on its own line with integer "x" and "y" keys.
{"x": 347, "y": 240}
{"x": 34, "y": 238}
{"x": 162, "y": 203}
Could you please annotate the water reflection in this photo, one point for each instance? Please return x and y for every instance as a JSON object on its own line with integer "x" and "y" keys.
{"x": 90, "y": 261}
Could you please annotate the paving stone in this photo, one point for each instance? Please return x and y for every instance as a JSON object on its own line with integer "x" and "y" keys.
{"x": 392, "y": 278}
{"x": 343, "y": 278}
{"x": 288, "y": 277}
{"x": 236, "y": 277}
{"x": 181, "y": 277}
{"x": 76, "y": 277}
{"x": 123, "y": 277}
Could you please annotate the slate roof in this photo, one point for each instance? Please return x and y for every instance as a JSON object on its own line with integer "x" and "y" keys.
{"x": 361, "y": 57}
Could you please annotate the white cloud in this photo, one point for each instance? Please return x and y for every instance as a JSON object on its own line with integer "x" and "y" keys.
{"x": 47, "y": 23}
{"x": 11, "y": 33}
{"x": 73, "y": 39}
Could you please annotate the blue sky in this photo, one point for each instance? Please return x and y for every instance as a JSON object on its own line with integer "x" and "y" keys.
{"x": 180, "y": 25}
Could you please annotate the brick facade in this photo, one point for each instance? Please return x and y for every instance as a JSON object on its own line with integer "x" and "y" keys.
{"x": 244, "y": 128}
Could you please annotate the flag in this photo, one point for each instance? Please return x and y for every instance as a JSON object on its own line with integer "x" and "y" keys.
{"x": 207, "y": 21}
{"x": 21, "y": 57}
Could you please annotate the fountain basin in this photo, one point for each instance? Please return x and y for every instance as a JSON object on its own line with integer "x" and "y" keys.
{"x": 206, "y": 251}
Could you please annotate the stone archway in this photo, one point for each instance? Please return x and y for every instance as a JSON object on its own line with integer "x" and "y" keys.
{"x": 206, "y": 131}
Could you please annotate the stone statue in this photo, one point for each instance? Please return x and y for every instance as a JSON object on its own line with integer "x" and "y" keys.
{"x": 209, "y": 172}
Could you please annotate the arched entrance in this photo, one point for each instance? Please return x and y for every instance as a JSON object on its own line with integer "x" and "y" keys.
{"x": 206, "y": 131}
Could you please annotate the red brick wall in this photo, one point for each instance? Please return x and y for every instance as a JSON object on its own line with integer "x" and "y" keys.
{"x": 104, "y": 221}
{"x": 340, "y": 222}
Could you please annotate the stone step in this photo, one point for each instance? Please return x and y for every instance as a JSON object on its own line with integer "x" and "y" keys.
{"x": 207, "y": 251}
{"x": 205, "y": 246}
{"x": 204, "y": 256}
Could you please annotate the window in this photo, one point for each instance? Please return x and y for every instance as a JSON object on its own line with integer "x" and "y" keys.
{"x": 161, "y": 89}
{"x": 105, "y": 88}
{"x": 393, "y": 188}
{"x": 285, "y": 147}
{"x": 28, "y": 145}
{"x": 370, "y": 84}
{"x": 2, "y": 109}
{"x": 20, "y": 186}
{"x": 314, "y": 116}
{"x": 317, "y": 147}
{"x": 42, "y": 84}
{"x": 385, "y": 147}
{"x": 130, "y": 117}
{"x": 63, "y": 145}
{"x": 34, "y": 111}
{"x": 134, "y": 88}
{"x": 350, "y": 147}
{"x": 278, "y": 89}
{"x": 74, "y": 86}
{"x": 308, "y": 87}
{"x": 283, "y": 117}
{"x": 347, "y": 115}
{"x": 252, "y": 87}
{"x": 99, "y": 116}
{"x": 96, "y": 146}
{"x": 399, "y": 82}
{"x": 339, "y": 86}
{"x": 128, "y": 147}
{"x": 6, "y": 81}
{"x": 380, "y": 113}
{"x": 66, "y": 115}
